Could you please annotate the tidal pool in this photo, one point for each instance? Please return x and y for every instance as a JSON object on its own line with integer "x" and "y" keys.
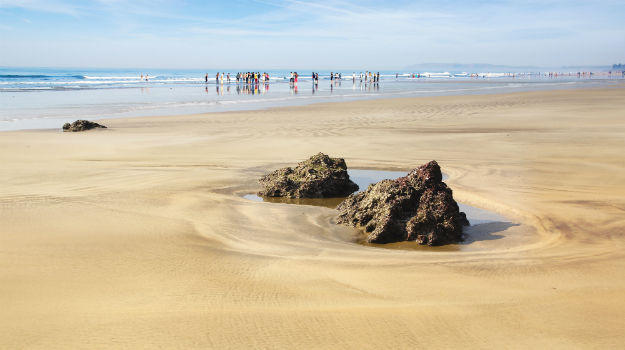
{"x": 483, "y": 222}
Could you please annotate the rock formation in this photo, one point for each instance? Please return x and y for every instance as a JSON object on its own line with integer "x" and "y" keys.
{"x": 418, "y": 207}
{"x": 81, "y": 125}
{"x": 318, "y": 177}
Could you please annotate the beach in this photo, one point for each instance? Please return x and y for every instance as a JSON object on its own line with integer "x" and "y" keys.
{"x": 138, "y": 236}
{"x": 64, "y": 95}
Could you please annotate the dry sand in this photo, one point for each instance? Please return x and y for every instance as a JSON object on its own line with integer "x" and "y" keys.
{"x": 137, "y": 236}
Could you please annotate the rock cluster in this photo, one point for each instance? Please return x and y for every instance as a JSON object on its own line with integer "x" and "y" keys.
{"x": 418, "y": 207}
{"x": 318, "y": 177}
{"x": 81, "y": 125}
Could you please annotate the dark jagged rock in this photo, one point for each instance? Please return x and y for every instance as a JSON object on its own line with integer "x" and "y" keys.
{"x": 417, "y": 207}
{"x": 81, "y": 125}
{"x": 318, "y": 177}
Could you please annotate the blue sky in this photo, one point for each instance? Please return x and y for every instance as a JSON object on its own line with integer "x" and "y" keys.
{"x": 274, "y": 34}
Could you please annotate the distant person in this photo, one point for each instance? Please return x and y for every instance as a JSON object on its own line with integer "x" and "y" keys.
{"x": 206, "y": 78}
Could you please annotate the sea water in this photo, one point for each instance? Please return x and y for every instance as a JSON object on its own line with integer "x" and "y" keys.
{"x": 38, "y": 98}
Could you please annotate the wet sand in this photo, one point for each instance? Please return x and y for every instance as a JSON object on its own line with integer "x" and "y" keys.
{"x": 137, "y": 236}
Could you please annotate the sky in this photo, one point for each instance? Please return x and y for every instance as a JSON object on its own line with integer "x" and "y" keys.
{"x": 339, "y": 34}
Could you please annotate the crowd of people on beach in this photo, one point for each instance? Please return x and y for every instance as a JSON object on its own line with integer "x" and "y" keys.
{"x": 368, "y": 77}
{"x": 241, "y": 78}
{"x": 293, "y": 78}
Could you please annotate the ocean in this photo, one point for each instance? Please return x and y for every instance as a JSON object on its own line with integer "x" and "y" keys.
{"x": 44, "y": 98}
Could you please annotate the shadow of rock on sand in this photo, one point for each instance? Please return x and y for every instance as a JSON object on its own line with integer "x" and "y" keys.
{"x": 486, "y": 231}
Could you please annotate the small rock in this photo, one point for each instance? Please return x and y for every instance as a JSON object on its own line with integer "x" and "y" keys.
{"x": 318, "y": 177}
{"x": 81, "y": 125}
{"x": 417, "y": 207}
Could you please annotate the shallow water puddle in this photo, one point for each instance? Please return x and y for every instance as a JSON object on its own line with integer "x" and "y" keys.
{"x": 363, "y": 178}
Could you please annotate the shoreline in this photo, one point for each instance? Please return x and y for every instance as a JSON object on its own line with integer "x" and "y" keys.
{"x": 137, "y": 235}
{"x": 310, "y": 100}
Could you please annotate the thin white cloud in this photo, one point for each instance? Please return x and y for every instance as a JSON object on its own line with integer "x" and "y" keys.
{"x": 49, "y": 6}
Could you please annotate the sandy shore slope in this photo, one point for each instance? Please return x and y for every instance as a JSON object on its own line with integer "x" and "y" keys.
{"x": 137, "y": 236}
